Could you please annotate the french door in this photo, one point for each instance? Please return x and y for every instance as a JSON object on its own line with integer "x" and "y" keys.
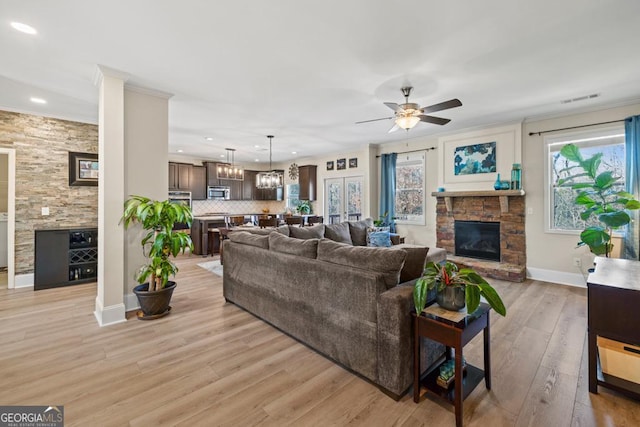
{"x": 344, "y": 199}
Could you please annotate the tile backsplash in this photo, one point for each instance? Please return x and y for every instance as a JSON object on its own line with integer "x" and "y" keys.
{"x": 201, "y": 207}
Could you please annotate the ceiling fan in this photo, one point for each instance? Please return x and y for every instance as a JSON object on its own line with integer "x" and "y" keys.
{"x": 408, "y": 115}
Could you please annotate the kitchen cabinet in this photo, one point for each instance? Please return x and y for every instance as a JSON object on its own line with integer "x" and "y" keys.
{"x": 199, "y": 183}
{"x": 65, "y": 257}
{"x": 212, "y": 174}
{"x": 249, "y": 185}
{"x": 269, "y": 194}
{"x": 308, "y": 183}
{"x": 235, "y": 186}
{"x": 180, "y": 176}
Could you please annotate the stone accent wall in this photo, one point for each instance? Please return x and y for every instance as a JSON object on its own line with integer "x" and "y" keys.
{"x": 42, "y": 177}
{"x": 512, "y": 265}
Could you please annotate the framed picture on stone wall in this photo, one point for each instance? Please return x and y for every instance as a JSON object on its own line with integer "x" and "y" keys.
{"x": 83, "y": 169}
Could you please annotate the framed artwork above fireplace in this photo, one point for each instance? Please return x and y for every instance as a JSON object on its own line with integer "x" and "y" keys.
{"x": 492, "y": 150}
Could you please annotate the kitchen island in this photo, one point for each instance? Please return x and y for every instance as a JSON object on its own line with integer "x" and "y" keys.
{"x": 203, "y": 223}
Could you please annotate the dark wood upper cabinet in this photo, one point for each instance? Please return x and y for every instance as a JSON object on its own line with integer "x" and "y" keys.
{"x": 308, "y": 184}
{"x": 212, "y": 174}
{"x": 199, "y": 183}
{"x": 180, "y": 176}
{"x": 249, "y": 185}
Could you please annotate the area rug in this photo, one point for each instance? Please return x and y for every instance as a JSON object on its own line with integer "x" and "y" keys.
{"x": 212, "y": 266}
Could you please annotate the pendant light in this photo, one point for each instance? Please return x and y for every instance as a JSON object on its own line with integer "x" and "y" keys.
{"x": 272, "y": 178}
{"x": 230, "y": 170}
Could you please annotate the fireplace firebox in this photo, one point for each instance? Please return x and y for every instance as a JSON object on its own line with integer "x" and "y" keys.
{"x": 477, "y": 239}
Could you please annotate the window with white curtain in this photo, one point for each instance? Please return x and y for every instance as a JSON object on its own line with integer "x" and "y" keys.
{"x": 410, "y": 185}
{"x": 562, "y": 214}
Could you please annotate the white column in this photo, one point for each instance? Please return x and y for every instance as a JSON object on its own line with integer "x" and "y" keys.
{"x": 110, "y": 306}
{"x": 146, "y": 136}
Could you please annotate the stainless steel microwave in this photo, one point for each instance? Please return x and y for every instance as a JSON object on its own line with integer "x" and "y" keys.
{"x": 218, "y": 192}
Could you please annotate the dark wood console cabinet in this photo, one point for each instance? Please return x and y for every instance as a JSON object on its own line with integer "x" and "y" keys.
{"x": 65, "y": 257}
{"x": 613, "y": 301}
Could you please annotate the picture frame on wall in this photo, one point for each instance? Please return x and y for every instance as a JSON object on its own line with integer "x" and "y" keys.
{"x": 341, "y": 164}
{"x": 83, "y": 169}
{"x": 330, "y": 165}
{"x": 353, "y": 163}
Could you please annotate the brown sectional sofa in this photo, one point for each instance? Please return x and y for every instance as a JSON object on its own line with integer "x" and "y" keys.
{"x": 346, "y": 302}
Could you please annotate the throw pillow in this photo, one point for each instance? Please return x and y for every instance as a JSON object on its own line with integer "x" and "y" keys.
{"x": 378, "y": 237}
{"x": 358, "y": 231}
{"x": 414, "y": 264}
{"x": 250, "y": 239}
{"x": 381, "y": 260}
{"x": 307, "y": 248}
{"x": 338, "y": 233}
{"x": 315, "y": 232}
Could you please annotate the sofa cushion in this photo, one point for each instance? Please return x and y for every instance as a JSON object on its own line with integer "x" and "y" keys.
{"x": 358, "y": 231}
{"x": 382, "y": 260}
{"x": 338, "y": 233}
{"x": 250, "y": 239}
{"x": 283, "y": 229}
{"x": 414, "y": 264}
{"x": 307, "y": 248}
{"x": 315, "y": 232}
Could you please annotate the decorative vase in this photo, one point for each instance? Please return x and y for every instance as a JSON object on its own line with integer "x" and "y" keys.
{"x": 497, "y": 185}
{"x": 451, "y": 298}
{"x": 516, "y": 177}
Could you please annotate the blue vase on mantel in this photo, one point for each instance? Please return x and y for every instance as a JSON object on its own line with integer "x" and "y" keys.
{"x": 497, "y": 185}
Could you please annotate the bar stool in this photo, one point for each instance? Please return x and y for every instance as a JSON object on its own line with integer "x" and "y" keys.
{"x": 214, "y": 241}
{"x": 293, "y": 220}
{"x": 315, "y": 219}
{"x": 268, "y": 222}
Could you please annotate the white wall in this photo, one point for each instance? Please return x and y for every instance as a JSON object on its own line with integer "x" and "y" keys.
{"x": 363, "y": 169}
{"x": 550, "y": 256}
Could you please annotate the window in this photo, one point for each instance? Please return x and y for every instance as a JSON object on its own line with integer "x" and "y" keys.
{"x": 410, "y": 189}
{"x": 563, "y": 216}
{"x": 293, "y": 191}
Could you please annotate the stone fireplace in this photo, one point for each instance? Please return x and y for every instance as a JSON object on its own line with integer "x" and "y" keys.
{"x": 502, "y": 211}
{"x": 477, "y": 239}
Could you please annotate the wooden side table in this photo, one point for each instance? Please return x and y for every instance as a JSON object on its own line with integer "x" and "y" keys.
{"x": 454, "y": 334}
{"x": 613, "y": 298}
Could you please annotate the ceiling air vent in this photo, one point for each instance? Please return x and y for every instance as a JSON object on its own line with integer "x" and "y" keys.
{"x": 580, "y": 98}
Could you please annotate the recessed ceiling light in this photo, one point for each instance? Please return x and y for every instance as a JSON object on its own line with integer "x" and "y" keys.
{"x": 24, "y": 28}
{"x": 180, "y": 151}
{"x": 38, "y": 100}
{"x": 257, "y": 160}
{"x": 294, "y": 152}
{"x": 256, "y": 146}
{"x": 222, "y": 155}
{"x": 208, "y": 138}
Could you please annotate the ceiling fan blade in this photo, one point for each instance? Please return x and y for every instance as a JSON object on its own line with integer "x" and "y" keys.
{"x": 375, "y": 120}
{"x": 394, "y": 128}
{"x": 434, "y": 120}
{"x": 452, "y": 103}
{"x": 395, "y": 107}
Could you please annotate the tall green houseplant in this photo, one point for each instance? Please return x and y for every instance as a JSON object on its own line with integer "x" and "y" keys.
{"x": 597, "y": 196}
{"x": 161, "y": 241}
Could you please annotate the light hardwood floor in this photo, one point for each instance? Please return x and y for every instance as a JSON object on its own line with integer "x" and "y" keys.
{"x": 210, "y": 363}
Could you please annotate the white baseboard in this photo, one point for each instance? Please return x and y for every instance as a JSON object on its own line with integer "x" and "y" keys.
{"x": 109, "y": 315}
{"x": 561, "y": 277}
{"x": 131, "y": 302}
{"x": 24, "y": 280}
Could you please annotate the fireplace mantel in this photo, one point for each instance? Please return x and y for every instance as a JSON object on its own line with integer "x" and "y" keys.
{"x": 503, "y": 195}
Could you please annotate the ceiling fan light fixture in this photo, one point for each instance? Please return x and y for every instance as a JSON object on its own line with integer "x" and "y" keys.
{"x": 407, "y": 122}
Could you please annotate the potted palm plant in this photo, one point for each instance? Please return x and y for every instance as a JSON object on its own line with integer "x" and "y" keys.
{"x": 455, "y": 288}
{"x": 159, "y": 244}
{"x": 598, "y": 196}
